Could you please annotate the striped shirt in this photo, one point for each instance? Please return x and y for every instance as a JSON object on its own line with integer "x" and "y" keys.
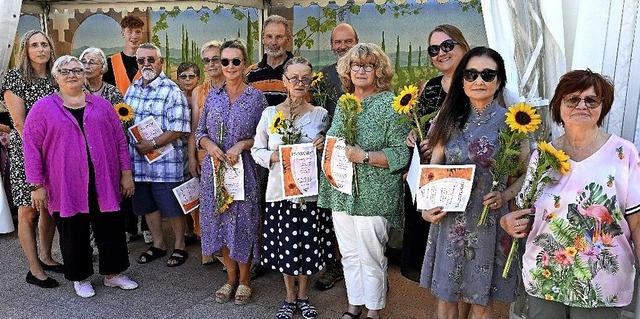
{"x": 269, "y": 80}
{"x": 163, "y": 100}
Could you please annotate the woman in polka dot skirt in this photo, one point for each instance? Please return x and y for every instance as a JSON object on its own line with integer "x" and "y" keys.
{"x": 295, "y": 232}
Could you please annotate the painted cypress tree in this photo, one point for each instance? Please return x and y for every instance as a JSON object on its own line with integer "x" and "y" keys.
{"x": 183, "y": 49}
{"x": 186, "y": 45}
{"x": 383, "y": 44}
{"x": 409, "y": 57}
{"x": 166, "y": 53}
{"x": 397, "y": 65}
{"x": 249, "y": 40}
{"x": 419, "y": 56}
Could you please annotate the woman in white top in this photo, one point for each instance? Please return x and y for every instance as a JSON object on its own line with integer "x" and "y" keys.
{"x": 294, "y": 238}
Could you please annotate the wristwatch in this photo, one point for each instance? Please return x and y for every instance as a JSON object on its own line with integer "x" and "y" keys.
{"x": 34, "y": 187}
{"x": 365, "y": 160}
{"x": 155, "y": 145}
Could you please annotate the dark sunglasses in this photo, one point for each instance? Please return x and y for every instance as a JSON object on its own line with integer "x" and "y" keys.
{"x": 150, "y": 59}
{"x": 234, "y": 61}
{"x": 487, "y": 75}
{"x": 190, "y": 76}
{"x": 590, "y": 101}
{"x": 210, "y": 60}
{"x": 445, "y": 46}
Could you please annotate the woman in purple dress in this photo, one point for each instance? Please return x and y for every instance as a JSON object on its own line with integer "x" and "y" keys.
{"x": 226, "y": 130}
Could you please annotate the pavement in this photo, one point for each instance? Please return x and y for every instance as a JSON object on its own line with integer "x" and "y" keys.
{"x": 186, "y": 291}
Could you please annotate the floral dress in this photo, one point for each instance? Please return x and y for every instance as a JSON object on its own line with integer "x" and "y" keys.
{"x": 29, "y": 93}
{"x": 464, "y": 262}
{"x": 579, "y": 251}
{"x": 237, "y": 227}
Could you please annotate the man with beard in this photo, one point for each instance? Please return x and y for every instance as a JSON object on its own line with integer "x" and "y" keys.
{"x": 157, "y": 96}
{"x": 343, "y": 38}
{"x": 267, "y": 74}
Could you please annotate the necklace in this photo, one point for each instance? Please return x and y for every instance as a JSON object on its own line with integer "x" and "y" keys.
{"x": 96, "y": 90}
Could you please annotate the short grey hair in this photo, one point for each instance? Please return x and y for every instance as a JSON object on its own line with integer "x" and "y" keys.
{"x": 99, "y": 52}
{"x": 62, "y": 61}
{"x": 213, "y": 44}
{"x": 150, "y": 46}
{"x": 277, "y": 19}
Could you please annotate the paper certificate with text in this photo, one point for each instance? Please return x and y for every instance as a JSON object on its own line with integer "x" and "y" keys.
{"x": 448, "y": 186}
{"x": 336, "y": 166}
{"x": 233, "y": 178}
{"x": 299, "y": 164}
{"x": 188, "y": 195}
{"x": 148, "y": 129}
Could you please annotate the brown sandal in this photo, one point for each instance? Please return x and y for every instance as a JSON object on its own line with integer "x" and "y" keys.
{"x": 224, "y": 293}
{"x": 243, "y": 295}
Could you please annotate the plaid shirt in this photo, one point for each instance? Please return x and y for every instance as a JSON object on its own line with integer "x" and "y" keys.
{"x": 163, "y": 100}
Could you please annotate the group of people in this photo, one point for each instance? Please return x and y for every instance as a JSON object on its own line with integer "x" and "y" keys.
{"x": 62, "y": 112}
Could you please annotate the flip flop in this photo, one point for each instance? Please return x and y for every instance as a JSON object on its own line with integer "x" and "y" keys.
{"x": 151, "y": 254}
{"x": 243, "y": 292}
{"x": 178, "y": 256}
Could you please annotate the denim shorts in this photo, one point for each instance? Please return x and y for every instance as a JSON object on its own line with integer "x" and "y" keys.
{"x": 152, "y": 196}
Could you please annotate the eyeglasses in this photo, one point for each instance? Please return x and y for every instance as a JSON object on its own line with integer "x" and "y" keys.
{"x": 295, "y": 80}
{"x": 445, "y": 46}
{"x": 210, "y": 60}
{"x": 487, "y": 75}
{"x": 185, "y": 76}
{"x": 234, "y": 61}
{"x": 75, "y": 71}
{"x": 590, "y": 101}
{"x": 90, "y": 62}
{"x": 150, "y": 59}
{"x": 355, "y": 67}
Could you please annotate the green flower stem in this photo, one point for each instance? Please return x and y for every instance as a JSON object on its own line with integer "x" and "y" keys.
{"x": 512, "y": 253}
{"x": 485, "y": 209}
{"x": 355, "y": 178}
{"x": 420, "y": 134}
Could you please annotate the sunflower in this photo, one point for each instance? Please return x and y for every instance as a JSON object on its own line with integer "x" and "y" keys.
{"x": 350, "y": 103}
{"x": 317, "y": 78}
{"x": 125, "y": 112}
{"x": 276, "y": 123}
{"x": 404, "y": 102}
{"x": 523, "y": 117}
{"x": 559, "y": 157}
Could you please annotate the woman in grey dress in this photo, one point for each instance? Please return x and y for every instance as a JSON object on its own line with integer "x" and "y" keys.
{"x": 463, "y": 262}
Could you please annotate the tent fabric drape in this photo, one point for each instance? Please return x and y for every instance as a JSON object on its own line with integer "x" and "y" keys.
{"x": 9, "y": 16}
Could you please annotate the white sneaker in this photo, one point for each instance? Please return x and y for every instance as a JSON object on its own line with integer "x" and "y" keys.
{"x": 120, "y": 281}
{"x": 148, "y": 238}
{"x": 84, "y": 289}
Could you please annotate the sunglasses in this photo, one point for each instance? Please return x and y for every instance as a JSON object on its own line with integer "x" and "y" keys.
{"x": 295, "y": 81}
{"x": 445, "y": 46}
{"x": 66, "y": 72}
{"x": 487, "y": 75}
{"x": 210, "y": 60}
{"x": 150, "y": 59}
{"x": 185, "y": 76}
{"x": 234, "y": 61}
{"x": 590, "y": 101}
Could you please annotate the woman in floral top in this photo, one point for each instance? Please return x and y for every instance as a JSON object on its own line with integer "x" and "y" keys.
{"x": 578, "y": 261}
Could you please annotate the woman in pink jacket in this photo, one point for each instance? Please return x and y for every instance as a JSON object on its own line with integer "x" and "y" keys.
{"x": 78, "y": 167}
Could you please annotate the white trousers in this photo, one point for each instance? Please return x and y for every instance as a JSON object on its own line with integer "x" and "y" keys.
{"x": 362, "y": 242}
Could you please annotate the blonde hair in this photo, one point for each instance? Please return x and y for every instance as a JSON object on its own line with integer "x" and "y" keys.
{"x": 366, "y": 53}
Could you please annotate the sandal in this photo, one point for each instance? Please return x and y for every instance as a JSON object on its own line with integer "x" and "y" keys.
{"x": 352, "y": 316}
{"x": 286, "y": 311}
{"x": 307, "y": 309}
{"x": 177, "y": 258}
{"x": 151, "y": 254}
{"x": 243, "y": 294}
{"x": 223, "y": 294}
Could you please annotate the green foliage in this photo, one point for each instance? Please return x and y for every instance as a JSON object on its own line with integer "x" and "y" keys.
{"x": 252, "y": 30}
{"x": 403, "y": 77}
{"x": 325, "y": 23}
{"x": 473, "y": 4}
{"x": 167, "y": 56}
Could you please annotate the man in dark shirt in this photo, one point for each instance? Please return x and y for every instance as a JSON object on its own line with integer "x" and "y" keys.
{"x": 122, "y": 68}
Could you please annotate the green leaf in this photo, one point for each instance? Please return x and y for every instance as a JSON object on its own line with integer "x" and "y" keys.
{"x": 563, "y": 231}
{"x": 581, "y": 269}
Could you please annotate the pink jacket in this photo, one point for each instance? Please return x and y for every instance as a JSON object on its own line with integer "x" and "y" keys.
{"x": 55, "y": 154}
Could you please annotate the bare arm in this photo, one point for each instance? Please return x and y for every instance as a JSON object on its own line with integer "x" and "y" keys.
{"x": 17, "y": 110}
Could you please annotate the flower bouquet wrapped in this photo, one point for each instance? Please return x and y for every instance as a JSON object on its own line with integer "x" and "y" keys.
{"x": 223, "y": 197}
{"x": 351, "y": 107}
{"x": 521, "y": 120}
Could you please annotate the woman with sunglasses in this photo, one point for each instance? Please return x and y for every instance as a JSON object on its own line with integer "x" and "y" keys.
{"x": 226, "y": 130}
{"x": 582, "y": 235}
{"x": 74, "y": 127}
{"x": 22, "y": 87}
{"x": 446, "y": 47}
{"x": 362, "y": 220}
{"x": 210, "y": 55}
{"x": 464, "y": 262}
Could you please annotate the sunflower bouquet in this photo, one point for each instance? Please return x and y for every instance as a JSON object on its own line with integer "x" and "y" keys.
{"x": 350, "y": 107}
{"x": 223, "y": 197}
{"x": 406, "y": 103}
{"x": 522, "y": 120}
{"x": 286, "y": 127}
{"x": 320, "y": 89}
{"x": 538, "y": 175}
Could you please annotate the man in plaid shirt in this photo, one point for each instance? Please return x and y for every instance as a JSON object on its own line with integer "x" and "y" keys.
{"x": 158, "y": 96}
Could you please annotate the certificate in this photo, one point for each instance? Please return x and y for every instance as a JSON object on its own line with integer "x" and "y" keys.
{"x": 233, "y": 178}
{"x": 188, "y": 195}
{"x": 336, "y": 166}
{"x": 148, "y": 129}
{"x": 299, "y": 164}
{"x": 448, "y": 186}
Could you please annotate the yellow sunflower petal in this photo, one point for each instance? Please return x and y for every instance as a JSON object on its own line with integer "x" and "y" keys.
{"x": 405, "y": 101}
{"x": 276, "y": 122}
{"x": 350, "y": 103}
{"x": 317, "y": 78}
{"x": 124, "y": 111}
{"x": 523, "y": 117}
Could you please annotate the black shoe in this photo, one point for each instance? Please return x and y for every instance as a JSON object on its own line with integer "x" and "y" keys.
{"x": 190, "y": 240}
{"x": 47, "y": 283}
{"x": 55, "y": 268}
{"x": 256, "y": 271}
